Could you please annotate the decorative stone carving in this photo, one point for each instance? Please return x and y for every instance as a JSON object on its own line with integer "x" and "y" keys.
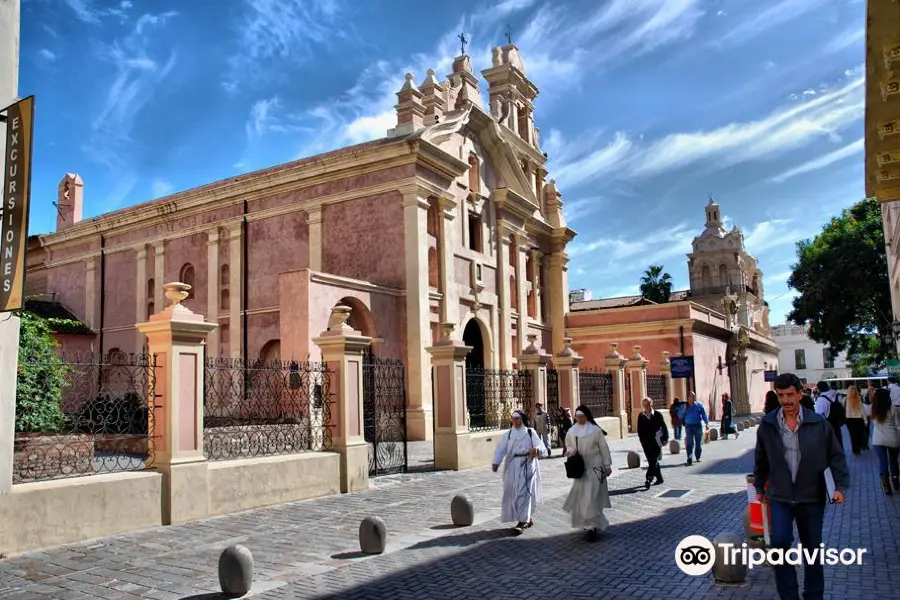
{"x": 462, "y": 510}
{"x": 532, "y": 344}
{"x": 567, "y": 348}
{"x": 614, "y": 351}
{"x": 372, "y": 535}
{"x": 235, "y": 571}
{"x": 634, "y": 460}
{"x": 176, "y": 292}
{"x": 637, "y": 353}
{"x": 338, "y": 319}
{"x": 447, "y": 329}
{"x": 733, "y": 570}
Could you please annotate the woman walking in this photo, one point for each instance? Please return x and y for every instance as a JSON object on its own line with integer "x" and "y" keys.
{"x": 653, "y": 435}
{"x": 590, "y": 492}
{"x": 772, "y": 402}
{"x": 886, "y": 440}
{"x": 727, "y": 422}
{"x": 856, "y": 419}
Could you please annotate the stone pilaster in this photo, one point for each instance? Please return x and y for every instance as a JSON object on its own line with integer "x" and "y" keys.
{"x": 665, "y": 369}
{"x": 503, "y": 295}
{"x": 176, "y": 337}
{"x": 566, "y": 363}
{"x": 534, "y": 360}
{"x": 522, "y": 291}
{"x": 212, "y": 290}
{"x": 236, "y": 297}
{"x": 451, "y": 433}
{"x": 557, "y": 289}
{"x": 90, "y": 293}
{"x": 537, "y": 284}
{"x": 636, "y": 368}
{"x": 314, "y": 219}
{"x": 418, "y": 330}
{"x": 615, "y": 366}
{"x": 342, "y": 350}
{"x": 140, "y": 292}
{"x": 159, "y": 274}
{"x": 447, "y": 242}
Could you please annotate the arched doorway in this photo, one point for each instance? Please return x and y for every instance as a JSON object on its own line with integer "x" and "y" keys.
{"x": 475, "y": 375}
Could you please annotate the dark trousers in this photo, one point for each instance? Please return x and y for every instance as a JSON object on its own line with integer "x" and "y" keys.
{"x": 693, "y": 439}
{"x": 809, "y": 518}
{"x": 839, "y": 433}
{"x": 677, "y": 431}
{"x": 858, "y": 432}
{"x": 653, "y": 453}
{"x": 888, "y": 459}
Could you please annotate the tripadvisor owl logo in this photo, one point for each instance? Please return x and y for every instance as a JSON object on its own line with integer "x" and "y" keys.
{"x": 695, "y": 555}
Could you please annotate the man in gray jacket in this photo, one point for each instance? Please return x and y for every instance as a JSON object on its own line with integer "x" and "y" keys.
{"x": 794, "y": 447}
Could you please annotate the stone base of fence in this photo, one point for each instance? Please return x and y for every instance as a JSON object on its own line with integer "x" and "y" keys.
{"x": 613, "y": 428}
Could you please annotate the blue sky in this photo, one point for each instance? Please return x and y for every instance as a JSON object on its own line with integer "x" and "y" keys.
{"x": 646, "y": 106}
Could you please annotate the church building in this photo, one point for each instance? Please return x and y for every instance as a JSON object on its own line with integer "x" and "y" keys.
{"x": 721, "y": 320}
{"x": 448, "y": 218}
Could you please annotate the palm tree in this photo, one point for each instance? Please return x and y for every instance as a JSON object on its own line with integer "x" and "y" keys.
{"x": 656, "y": 285}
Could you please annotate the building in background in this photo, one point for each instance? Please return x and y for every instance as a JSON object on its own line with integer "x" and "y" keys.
{"x": 807, "y": 359}
{"x": 882, "y": 130}
{"x": 722, "y": 321}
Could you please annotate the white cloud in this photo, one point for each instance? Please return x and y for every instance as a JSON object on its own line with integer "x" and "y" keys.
{"x": 580, "y": 208}
{"x": 767, "y": 235}
{"x": 596, "y": 163}
{"x": 161, "y": 188}
{"x": 285, "y": 30}
{"x": 823, "y": 161}
{"x": 47, "y": 54}
{"x": 849, "y": 38}
{"x": 136, "y": 75}
{"x": 768, "y": 18}
{"x": 86, "y": 12}
{"x": 642, "y": 248}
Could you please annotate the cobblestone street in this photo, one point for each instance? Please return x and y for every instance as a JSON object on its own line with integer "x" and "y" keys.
{"x": 309, "y": 549}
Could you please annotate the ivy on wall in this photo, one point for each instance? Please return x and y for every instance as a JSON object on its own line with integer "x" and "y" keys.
{"x": 42, "y": 375}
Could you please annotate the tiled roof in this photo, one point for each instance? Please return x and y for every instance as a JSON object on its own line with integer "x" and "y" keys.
{"x": 47, "y": 308}
{"x": 623, "y": 301}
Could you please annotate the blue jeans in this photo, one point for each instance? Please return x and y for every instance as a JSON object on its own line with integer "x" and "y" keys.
{"x": 677, "y": 430}
{"x": 809, "y": 518}
{"x": 888, "y": 459}
{"x": 693, "y": 439}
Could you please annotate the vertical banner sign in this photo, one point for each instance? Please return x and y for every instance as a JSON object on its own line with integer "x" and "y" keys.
{"x": 16, "y": 197}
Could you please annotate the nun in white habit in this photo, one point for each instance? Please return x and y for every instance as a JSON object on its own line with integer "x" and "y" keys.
{"x": 590, "y": 493}
{"x": 519, "y": 449}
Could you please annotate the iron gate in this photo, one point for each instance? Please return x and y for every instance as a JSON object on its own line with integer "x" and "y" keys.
{"x": 628, "y": 400}
{"x": 558, "y": 417}
{"x": 596, "y": 392}
{"x": 657, "y": 391}
{"x": 384, "y": 414}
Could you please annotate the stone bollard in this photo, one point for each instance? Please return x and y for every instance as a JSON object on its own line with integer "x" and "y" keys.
{"x": 634, "y": 460}
{"x": 372, "y": 535}
{"x": 462, "y": 510}
{"x": 729, "y": 571}
{"x": 713, "y": 435}
{"x": 235, "y": 571}
{"x": 674, "y": 447}
{"x": 740, "y": 426}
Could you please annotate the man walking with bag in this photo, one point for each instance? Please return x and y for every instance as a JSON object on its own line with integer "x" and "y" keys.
{"x": 788, "y": 437}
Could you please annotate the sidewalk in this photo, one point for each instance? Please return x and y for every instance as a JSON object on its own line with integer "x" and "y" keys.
{"x": 309, "y": 549}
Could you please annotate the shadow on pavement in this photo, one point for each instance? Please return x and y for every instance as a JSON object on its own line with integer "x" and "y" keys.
{"x": 629, "y": 490}
{"x": 465, "y": 539}
{"x": 723, "y": 466}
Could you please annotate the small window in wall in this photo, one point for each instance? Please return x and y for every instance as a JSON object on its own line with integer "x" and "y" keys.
{"x": 151, "y": 309}
{"x": 225, "y": 275}
{"x": 828, "y": 358}
{"x": 474, "y": 175}
{"x": 151, "y": 287}
{"x": 187, "y": 276}
{"x": 799, "y": 359}
{"x": 474, "y": 232}
{"x": 224, "y": 300}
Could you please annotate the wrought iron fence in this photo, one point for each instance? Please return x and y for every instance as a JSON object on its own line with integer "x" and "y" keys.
{"x": 492, "y": 395}
{"x": 559, "y": 421}
{"x": 657, "y": 390}
{"x": 596, "y": 392}
{"x": 628, "y": 402}
{"x": 265, "y": 408}
{"x": 82, "y": 413}
{"x": 384, "y": 414}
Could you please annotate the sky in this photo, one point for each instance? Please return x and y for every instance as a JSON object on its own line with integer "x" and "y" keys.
{"x": 646, "y": 107}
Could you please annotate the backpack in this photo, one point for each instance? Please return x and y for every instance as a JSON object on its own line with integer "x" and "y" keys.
{"x": 837, "y": 414}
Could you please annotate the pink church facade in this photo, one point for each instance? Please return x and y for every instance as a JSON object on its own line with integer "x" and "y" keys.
{"x": 448, "y": 219}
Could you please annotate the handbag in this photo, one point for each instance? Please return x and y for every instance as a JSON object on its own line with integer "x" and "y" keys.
{"x": 575, "y": 464}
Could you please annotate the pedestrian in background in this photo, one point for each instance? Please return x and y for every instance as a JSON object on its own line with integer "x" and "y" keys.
{"x": 674, "y": 411}
{"x": 772, "y": 402}
{"x": 856, "y": 419}
{"x": 886, "y": 440}
{"x": 727, "y": 423}
{"x": 653, "y": 435}
{"x": 542, "y": 426}
{"x": 693, "y": 415}
{"x": 794, "y": 494}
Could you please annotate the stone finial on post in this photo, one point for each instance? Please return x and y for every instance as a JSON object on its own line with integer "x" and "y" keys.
{"x": 615, "y": 366}
{"x": 451, "y": 431}
{"x": 636, "y": 369}
{"x": 176, "y": 336}
{"x": 665, "y": 369}
{"x": 342, "y": 351}
{"x": 534, "y": 360}
{"x": 567, "y": 362}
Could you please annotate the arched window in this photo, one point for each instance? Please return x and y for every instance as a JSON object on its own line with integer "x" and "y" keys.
{"x": 151, "y": 287}
{"x": 474, "y": 175}
{"x": 706, "y": 277}
{"x": 151, "y": 309}
{"x": 723, "y": 275}
{"x": 224, "y": 300}
{"x": 225, "y": 275}
{"x": 433, "y": 272}
{"x": 187, "y": 276}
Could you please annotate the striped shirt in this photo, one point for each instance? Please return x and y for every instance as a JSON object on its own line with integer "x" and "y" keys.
{"x": 791, "y": 441}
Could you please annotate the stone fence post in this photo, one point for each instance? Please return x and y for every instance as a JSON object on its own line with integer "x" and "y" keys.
{"x": 615, "y": 366}
{"x": 534, "y": 360}
{"x": 567, "y": 362}
{"x": 342, "y": 351}
{"x": 9, "y": 367}
{"x": 176, "y": 337}
{"x": 665, "y": 369}
{"x": 451, "y": 432}
{"x": 637, "y": 370}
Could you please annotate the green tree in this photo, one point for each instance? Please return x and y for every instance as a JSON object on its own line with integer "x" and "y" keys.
{"x": 842, "y": 277}
{"x": 656, "y": 285}
{"x": 42, "y": 374}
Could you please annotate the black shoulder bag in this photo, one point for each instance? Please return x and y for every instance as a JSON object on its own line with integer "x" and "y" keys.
{"x": 575, "y": 464}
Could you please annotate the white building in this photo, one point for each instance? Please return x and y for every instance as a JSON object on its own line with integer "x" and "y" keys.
{"x": 807, "y": 359}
